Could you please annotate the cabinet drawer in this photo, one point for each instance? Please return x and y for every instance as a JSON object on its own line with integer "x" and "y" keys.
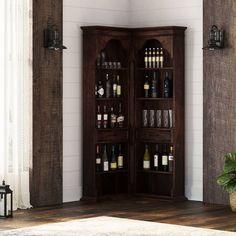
{"x": 112, "y": 136}
{"x": 154, "y": 135}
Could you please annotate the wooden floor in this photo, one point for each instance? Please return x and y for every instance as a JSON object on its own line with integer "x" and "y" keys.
{"x": 188, "y": 213}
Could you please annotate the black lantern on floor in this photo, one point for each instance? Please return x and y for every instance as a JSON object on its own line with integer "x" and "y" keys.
{"x": 6, "y": 201}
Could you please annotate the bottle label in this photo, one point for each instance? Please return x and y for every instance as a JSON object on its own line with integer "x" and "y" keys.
{"x": 153, "y": 59}
{"x": 105, "y": 166}
{"x": 99, "y": 117}
{"x": 113, "y": 119}
{"x": 155, "y": 160}
{"x": 98, "y": 161}
{"x": 150, "y": 59}
{"x": 118, "y": 91}
{"x": 164, "y": 160}
{"x": 114, "y": 87}
{"x": 105, "y": 117}
{"x": 157, "y": 59}
{"x": 146, "y": 86}
{"x": 113, "y": 165}
{"x": 161, "y": 59}
{"x": 171, "y": 158}
{"x": 120, "y": 161}
{"x": 96, "y": 90}
{"x": 120, "y": 119}
{"x": 146, "y": 164}
{"x": 146, "y": 59}
{"x": 101, "y": 91}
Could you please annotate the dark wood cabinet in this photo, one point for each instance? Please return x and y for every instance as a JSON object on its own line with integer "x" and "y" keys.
{"x": 111, "y": 52}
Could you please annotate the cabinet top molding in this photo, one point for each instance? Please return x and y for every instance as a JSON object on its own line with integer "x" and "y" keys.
{"x": 166, "y": 29}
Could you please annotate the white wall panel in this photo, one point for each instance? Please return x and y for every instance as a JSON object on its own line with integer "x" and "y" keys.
{"x": 79, "y": 13}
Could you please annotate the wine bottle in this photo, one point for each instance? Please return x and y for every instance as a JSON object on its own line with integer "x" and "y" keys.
{"x": 114, "y": 87}
{"x": 98, "y": 160}
{"x": 112, "y": 118}
{"x": 108, "y": 86}
{"x": 100, "y": 92}
{"x": 146, "y": 159}
{"x": 150, "y": 58}
{"x": 154, "y": 86}
{"x": 153, "y": 58}
{"x": 146, "y": 87}
{"x": 113, "y": 163}
{"x": 105, "y": 159}
{"x": 164, "y": 158}
{"x": 157, "y": 58}
{"x": 99, "y": 118}
{"x": 161, "y": 58}
{"x": 146, "y": 58}
{"x": 167, "y": 86}
{"x": 98, "y": 60}
{"x": 120, "y": 159}
{"x": 156, "y": 159}
{"x": 96, "y": 90}
{"x": 118, "y": 90}
{"x": 120, "y": 118}
{"x": 171, "y": 159}
{"x": 105, "y": 118}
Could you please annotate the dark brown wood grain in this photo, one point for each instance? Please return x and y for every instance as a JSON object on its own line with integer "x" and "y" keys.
{"x": 132, "y": 43}
{"x": 219, "y": 106}
{"x": 96, "y": 39}
{"x": 46, "y": 172}
{"x": 186, "y": 213}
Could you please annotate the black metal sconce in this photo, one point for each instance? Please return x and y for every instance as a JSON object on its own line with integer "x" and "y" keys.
{"x": 52, "y": 39}
{"x": 6, "y": 201}
{"x": 216, "y": 38}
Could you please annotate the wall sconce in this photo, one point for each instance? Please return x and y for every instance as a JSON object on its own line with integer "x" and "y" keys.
{"x": 216, "y": 38}
{"x": 6, "y": 201}
{"x": 52, "y": 39}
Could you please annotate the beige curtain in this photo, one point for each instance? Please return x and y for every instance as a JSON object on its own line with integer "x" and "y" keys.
{"x": 16, "y": 97}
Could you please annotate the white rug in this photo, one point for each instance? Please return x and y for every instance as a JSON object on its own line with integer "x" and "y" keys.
{"x": 111, "y": 226}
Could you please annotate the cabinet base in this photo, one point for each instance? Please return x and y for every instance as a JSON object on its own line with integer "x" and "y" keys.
{"x": 162, "y": 197}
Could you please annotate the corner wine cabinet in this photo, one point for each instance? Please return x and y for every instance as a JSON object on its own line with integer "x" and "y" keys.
{"x": 133, "y": 104}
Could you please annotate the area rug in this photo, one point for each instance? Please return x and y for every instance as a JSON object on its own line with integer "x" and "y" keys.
{"x": 112, "y": 226}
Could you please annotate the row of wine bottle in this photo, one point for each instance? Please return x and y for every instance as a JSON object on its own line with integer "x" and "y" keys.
{"x": 111, "y": 88}
{"x": 107, "y": 162}
{"x": 103, "y": 63}
{"x": 109, "y": 119}
{"x": 154, "y": 58}
{"x": 152, "y": 89}
{"x": 161, "y": 159}
{"x": 157, "y": 118}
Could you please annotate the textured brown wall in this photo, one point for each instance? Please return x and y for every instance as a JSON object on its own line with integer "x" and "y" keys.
{"x": 46, "y": 174}
{"x": 219, "y": 92}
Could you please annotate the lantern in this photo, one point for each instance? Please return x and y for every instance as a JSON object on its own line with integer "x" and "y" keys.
{"x": 6, "y": 201}
{"x": 216, "y": 38}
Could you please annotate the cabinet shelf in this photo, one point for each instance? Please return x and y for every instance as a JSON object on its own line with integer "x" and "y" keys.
{"x": 112, "y": 172}
{"x": 112, "y": 129}
{"x": 155, "y": 99}
{"x": 155, "y": 69}
{"x": 155, "y": 172}
{"x": 111, "y": 69}
{"x": 108, "y": 99}
{"x": 155, "y": 129}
